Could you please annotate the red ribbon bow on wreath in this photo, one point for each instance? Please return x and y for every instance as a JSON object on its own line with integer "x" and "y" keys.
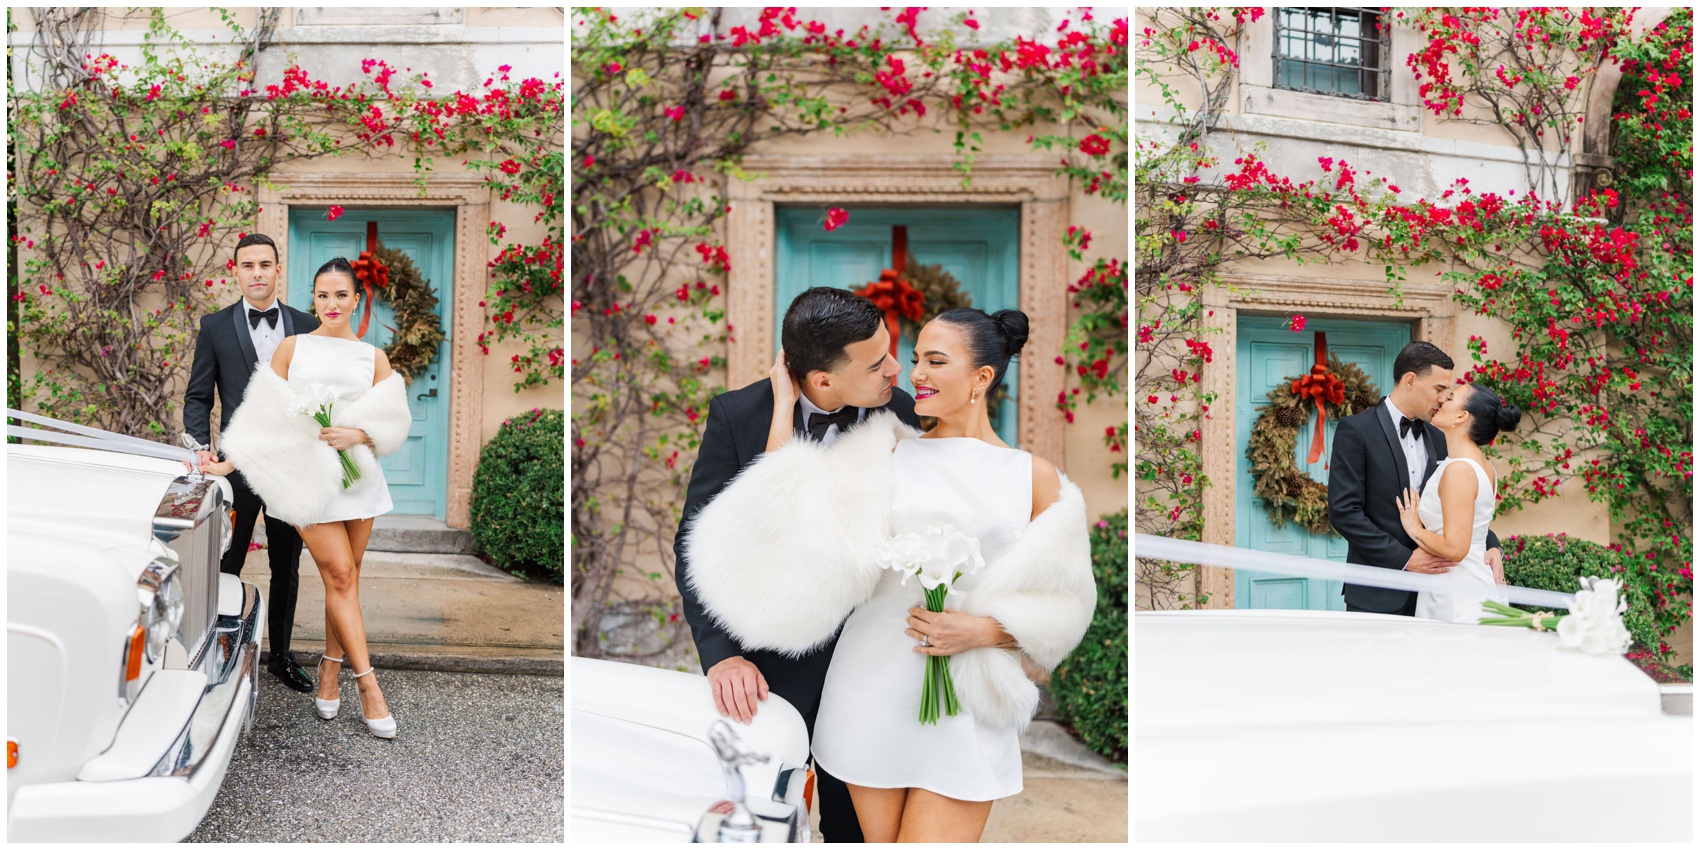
{"x": 371, "y": 272}
{"x": 1321, "y": 385}
{"x": 891, "y": 293}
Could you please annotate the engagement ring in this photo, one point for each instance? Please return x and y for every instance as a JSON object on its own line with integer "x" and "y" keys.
{"x": 924, "y": 641}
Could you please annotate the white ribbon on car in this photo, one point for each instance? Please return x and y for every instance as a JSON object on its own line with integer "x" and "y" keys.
{"x": 82, "y": 436}
{"x": 1210, "y": 554}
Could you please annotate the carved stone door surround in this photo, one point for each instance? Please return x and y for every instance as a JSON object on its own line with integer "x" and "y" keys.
{"x": 916, "y": 180}
{"x": 470, "y": 198}
{"x": 1428, "y": 307}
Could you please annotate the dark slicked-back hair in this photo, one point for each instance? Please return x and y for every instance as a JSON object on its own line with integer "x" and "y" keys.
{"x": 257, "y": 239}
{"x": 820, "y": 323}
{"x": 1489, "y": 414}
{"x": 336, "y": 265}
{"x": 1419, "y": 357}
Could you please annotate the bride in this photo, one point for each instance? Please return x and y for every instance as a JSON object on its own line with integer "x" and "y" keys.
{"x": 292, "y": 463}
{"x": 788, "y": 549}
{"x": 1450, "y": 519}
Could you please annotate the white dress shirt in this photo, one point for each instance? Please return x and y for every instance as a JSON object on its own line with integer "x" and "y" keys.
{"x": 1415, "y": 446}
{"x": 809, "y": 409}
{"x": 266, "y": 337}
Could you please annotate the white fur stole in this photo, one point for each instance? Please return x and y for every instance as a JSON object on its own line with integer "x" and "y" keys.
{"x": 783, "y": 554}
{"x": 1042, "y": 592}
{"x": 280, "y": 453}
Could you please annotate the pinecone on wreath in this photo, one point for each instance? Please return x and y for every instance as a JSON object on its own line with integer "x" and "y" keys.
{"x": 941, "y": 289}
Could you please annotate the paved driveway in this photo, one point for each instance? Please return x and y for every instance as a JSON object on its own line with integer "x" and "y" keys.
{"x": 478, "y": 757}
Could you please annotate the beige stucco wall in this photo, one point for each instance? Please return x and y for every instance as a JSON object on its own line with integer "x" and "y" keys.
{"x": 459, "y": 47}
{"x": 922, "y": 149}
{"x": 1422, "y": 162}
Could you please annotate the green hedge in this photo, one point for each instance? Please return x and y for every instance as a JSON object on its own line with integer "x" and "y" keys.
{"x": 517, "y": 496}
{"x": 1555, "y": 562}
{"x": 1090, "y": 686}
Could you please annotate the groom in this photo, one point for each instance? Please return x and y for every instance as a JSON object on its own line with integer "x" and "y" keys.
{"x": 837, "y": 347}
{"x": 1377, "y": 454}
{"x": 231, "y": 342}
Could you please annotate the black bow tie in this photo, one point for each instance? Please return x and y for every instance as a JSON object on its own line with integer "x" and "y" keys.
{"x": 254, "y": 317}
{"x": 1407, "y": 426}
{"x": 844, "y": 418}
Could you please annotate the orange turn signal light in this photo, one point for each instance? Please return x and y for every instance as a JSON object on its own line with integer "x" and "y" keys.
{"x": 11, "y": 754}
{"x": 809, "y": 793}
{"x": 138, "y": 639}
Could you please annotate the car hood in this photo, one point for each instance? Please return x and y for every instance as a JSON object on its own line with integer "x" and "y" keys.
{"x": 1310, "y": 726}
{"x": 642, "y": 765}
{"x": 65, "y": 502}
{"x": 1252, "y": 668}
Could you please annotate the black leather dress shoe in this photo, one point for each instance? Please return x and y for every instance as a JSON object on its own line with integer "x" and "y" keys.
{"x": 283, "y": 666}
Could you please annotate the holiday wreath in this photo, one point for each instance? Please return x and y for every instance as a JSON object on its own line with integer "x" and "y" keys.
{"x": 418, "y": 332}
{"x": 1339, "y": 389}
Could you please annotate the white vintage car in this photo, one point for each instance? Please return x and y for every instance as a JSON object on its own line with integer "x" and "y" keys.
{"x": 1261, "y": 725}
{"x": 130, "y": 659}
{"x": 653, "y": 761}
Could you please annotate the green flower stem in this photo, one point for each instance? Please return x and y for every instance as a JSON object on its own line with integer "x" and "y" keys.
{"x": 350, "y": 472}
{"x": 937, "y": 687}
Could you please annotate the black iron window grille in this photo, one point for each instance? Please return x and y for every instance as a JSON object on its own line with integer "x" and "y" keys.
{"x": 1340, "y": 51}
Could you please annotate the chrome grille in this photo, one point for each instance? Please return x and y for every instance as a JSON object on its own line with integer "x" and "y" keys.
{"x": 188, "y": 521}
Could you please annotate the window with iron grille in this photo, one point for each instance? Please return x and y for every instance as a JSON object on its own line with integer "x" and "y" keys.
{"x": 1339, "y": 51}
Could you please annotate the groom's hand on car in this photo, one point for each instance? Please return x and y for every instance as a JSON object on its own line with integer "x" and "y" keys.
{"x": 1423, "y": 562}
{"x": 737, "y": 686}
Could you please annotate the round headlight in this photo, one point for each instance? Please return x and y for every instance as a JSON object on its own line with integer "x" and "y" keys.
{"x": 163, "y": 616}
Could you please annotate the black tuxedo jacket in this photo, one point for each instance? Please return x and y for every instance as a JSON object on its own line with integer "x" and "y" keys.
{"x": 224, "y": 361}
{"x": 735, "y": 435}
{"x": 1366, "y": 473}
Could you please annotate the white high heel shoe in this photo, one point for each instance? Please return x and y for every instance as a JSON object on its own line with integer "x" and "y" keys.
{"x": 383, "y": 727}
{"x": 327, "y": 707}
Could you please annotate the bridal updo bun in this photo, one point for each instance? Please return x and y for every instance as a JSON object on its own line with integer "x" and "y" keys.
{"x": 992, "y": 339}
{"x": 1490, "y": 416}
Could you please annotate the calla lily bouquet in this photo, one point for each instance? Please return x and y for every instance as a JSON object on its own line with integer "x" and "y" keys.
{"x": 1594, "y": 624}
{"x": 938, "y": 557}
{"x": 317, "y": 402}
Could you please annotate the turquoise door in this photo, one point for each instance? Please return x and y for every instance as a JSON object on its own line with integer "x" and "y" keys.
{"x": 1268, "y": 354}
{"x": 417, "y": 473}
{"x": 979, "y": 247}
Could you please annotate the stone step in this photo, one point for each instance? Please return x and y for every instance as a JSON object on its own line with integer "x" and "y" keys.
{"x": 406, "y": 533}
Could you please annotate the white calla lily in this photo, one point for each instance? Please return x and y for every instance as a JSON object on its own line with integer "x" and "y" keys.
{"x": 1595, "y": 622}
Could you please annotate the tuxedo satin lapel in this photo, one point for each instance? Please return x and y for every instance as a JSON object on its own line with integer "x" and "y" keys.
{"x": 1392, "y": 433}
{"x": 288, "y": 322}
{"x": 797, "y": 419}
{"x": 239, "y": 321}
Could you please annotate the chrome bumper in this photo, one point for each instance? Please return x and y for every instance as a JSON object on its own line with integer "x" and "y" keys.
{"x": 232, "y": 656}
{"x": 169, "y": 801}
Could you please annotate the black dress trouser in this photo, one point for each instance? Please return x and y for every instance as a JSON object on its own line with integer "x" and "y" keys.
{"x": 1409, "y": 609}
{"x": 283, "y": 551}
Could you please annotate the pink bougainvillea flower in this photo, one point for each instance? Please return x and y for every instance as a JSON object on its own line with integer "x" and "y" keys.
{"x": 1297, "y": 323}
{"x": 334, "y": 213}
{"x": 835, "y": 218}
{"x": 727, "y": 94}
{"x": 509, "y": 167}
{"x": 677, "y": 113}
{"x": 1094, "y": 145}
{"x": 971, "y": 24}
{"x": 589, "y": 161}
